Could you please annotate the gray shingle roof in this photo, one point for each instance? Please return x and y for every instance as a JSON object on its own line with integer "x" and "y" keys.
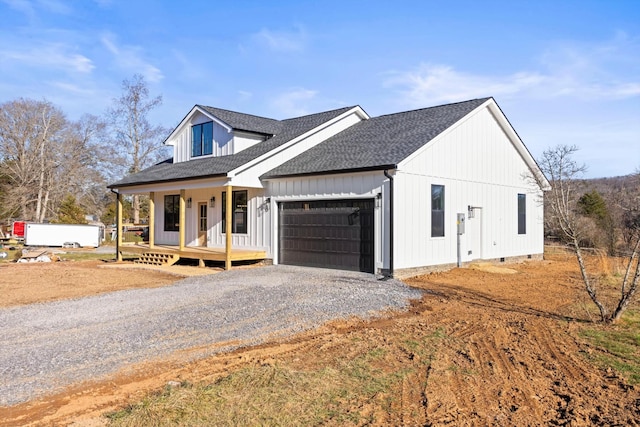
{"x": 220, "y": 166}
{"x": 246, "y": 122}
{"x": 378, "y": 143}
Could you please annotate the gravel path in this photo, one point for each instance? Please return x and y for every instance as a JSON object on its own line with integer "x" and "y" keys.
{"x": 46, "y": 347}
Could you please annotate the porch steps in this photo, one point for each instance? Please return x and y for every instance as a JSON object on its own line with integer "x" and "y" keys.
{"x": 156, "y": 258}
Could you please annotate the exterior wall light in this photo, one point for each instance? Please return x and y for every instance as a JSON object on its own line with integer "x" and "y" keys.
{"x": 212, "y": 202}
{"x": 189, "y": 203}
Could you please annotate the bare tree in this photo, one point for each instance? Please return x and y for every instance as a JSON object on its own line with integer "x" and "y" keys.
{"x": 138, "y": 142}
{"x": 83, "y": 163}
{"x": 31, "y": 135}
{"x": 45, "y": 157}
{"x": 563, "y": 172}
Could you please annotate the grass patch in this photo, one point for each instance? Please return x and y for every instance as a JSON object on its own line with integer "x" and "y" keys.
{"x": 79, "y": 255}
{"x": 353, "y": 389}
{"x": 85, "y": 256}
{"x": 265, "y": 395}
{"x": 617, "y": 346}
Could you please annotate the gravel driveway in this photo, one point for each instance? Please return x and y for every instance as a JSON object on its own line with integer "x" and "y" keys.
{"x": 46, "y": 347}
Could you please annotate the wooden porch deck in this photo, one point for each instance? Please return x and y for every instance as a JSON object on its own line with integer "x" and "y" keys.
{"x": 195, "y": 252}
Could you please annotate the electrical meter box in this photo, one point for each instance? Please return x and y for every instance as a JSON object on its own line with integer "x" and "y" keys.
{"x": 460, "y": 223}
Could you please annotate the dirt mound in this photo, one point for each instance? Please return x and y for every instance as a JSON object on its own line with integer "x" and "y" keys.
{"x": 491, "y": 268}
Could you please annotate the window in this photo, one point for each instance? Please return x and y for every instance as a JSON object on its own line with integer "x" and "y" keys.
{"x": 172, "y": 213}
{"x": 239, "y": 215}
{"x": 522, "y": 214}
{"x": 202, "y": 139}
{"x": 437, "y": 211}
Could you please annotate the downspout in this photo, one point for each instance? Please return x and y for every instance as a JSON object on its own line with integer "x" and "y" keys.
{"x": 117, "y": 221}
{"x": 386, "y": 173}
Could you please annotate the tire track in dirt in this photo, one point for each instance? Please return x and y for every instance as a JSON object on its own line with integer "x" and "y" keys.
{"x": 513, "y": 362}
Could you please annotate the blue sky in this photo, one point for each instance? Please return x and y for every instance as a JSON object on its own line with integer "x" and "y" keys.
{"x": 564, "y": 72}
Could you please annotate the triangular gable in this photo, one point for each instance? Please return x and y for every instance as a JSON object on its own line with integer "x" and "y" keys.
{"x": 522, "y": 149}
{"x": 187, "y": 119}
{"x": 506, "y": 127}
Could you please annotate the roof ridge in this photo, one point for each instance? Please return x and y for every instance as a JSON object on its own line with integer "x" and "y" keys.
{"x": 237, "y": 112}
{"x": 435, "y": 106}
{"x": 321, "y": 112}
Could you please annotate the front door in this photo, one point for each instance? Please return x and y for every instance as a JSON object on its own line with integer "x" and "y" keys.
{"x": 202, "y": 224}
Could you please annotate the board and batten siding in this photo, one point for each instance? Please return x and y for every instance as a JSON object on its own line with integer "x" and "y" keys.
{"x": 479, "y": 167}
{"x": 224, "y": 142}
{"x": 366, "y": 185}
{"x": 258, "y": 222}
{"x": 243, "y": 140}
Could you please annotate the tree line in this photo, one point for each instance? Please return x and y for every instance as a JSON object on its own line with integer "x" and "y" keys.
{"x": 56, "y": 169}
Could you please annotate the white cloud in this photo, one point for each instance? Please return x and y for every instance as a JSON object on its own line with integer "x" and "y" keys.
{"x": 131, "y": 58}
{"x": 601, "y": 71}
{"x": 49, "y": 56}
{"x": 442, "y": 83}
{"x": 292, "y": 103}
{"x": 73, "y": 88}
{"x": 282, "y": 41}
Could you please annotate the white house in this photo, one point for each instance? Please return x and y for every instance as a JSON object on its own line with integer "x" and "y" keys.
{"x": 397, "y": 194}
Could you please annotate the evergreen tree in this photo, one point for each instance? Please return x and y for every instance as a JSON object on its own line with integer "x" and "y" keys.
{"x": 70, "y": 212}
{"x": 592, "y": 205}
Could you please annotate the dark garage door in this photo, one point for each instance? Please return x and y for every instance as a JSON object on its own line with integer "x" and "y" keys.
{"x": 328, "y": 234}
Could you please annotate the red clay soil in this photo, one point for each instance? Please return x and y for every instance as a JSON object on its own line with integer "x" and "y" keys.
{"x": 505, "y": 350}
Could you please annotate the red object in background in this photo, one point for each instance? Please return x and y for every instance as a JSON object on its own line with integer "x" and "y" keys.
{"x": 18, "y": 229}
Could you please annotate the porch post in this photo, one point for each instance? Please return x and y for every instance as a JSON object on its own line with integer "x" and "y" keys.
{"x": 228, "y": 227}
{"x": 181, "y": 223}
{"x": 152, "y": 219}
{"x": 119, "y": 225}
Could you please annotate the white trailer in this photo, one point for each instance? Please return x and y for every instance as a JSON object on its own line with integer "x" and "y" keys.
{"x": 65, "y": 235}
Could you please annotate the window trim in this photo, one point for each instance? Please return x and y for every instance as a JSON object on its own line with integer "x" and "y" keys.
{"x": 234, "y": 205}
{"x": 202, "y": 144}
{"x": 438, "y": 214}
{"x": 174, "y": 214}
{"x": 522, "y": 213}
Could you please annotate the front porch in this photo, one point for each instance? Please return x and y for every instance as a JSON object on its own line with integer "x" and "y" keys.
{"x": 200, "y": 222}
{"x": 201, "y": 254}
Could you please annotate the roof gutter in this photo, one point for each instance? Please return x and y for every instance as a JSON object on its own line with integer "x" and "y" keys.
{"x": 386, "y": 173}
{"x": 164, "y": 181}
{"x": 329, "y": 172}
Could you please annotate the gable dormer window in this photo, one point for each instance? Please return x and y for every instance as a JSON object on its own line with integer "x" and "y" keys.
{"x": 202, "y": 139}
